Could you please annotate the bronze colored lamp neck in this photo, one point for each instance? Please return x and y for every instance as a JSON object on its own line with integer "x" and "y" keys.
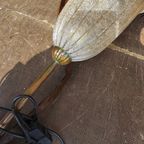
{"x": 60, "y": 56}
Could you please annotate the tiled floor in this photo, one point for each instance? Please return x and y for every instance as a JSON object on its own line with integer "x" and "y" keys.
{"x": 101, "y": 103}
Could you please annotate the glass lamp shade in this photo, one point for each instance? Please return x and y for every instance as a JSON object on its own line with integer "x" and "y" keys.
{"x": 86, "y": 27}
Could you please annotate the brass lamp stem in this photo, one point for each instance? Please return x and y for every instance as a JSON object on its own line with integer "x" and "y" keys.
{"x": 29, "y": 91}
{"x": 59, "y": 57}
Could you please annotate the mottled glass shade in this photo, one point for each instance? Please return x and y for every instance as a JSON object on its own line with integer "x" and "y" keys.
{"x": 86, "y": 27}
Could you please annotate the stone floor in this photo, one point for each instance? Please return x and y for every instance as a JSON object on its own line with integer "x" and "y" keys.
{"x": 103, "y": 100}
{"x": 25, "y": 38}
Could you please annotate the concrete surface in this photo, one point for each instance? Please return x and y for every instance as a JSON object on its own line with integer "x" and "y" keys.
{"x": 101, "y": 103}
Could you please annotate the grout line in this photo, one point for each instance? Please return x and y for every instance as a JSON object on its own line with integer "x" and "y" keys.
{"x": 126, "y": 51}
{"x": 29, "y": 16}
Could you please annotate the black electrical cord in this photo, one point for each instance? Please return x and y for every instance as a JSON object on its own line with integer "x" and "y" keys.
{"x": 30, "y": 128}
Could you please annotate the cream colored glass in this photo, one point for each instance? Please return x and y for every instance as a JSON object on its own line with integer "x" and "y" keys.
{"x": 86, "y": 27}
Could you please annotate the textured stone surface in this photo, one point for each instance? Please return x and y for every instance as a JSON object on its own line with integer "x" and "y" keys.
{"x": 135, "y": 32}
{"x": 25, "y": 39}
{"x": 103, "y": 100}
{"x": 44, "y": 10}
